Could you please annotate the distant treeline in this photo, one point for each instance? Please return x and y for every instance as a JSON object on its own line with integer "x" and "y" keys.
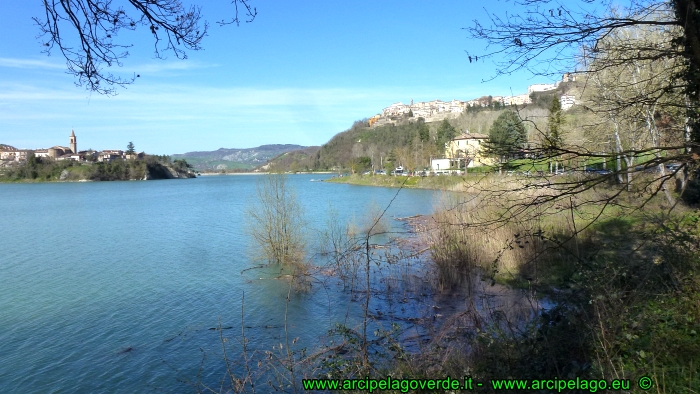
{"x": 46, "y": 170}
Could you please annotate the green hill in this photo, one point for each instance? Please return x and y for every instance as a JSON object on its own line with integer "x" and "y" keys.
{"x": 381, "y": 146}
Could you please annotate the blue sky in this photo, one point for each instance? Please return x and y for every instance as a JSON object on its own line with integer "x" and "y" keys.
{"x": 300, "y": 73}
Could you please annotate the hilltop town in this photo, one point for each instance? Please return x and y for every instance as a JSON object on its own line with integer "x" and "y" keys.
{"x": 437, "y": 110}
{"x": 67, "y": 163}
{"x": 11, "y": 156}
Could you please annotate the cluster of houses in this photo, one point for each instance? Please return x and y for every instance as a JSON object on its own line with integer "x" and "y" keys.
{"x": 437, "y": 110}
{"x": 10, "y": 156}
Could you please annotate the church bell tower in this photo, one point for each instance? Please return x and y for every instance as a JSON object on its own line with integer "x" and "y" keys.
{"x": 73, "y": 142}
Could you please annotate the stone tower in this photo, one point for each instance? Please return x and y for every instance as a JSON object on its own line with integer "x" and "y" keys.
{"x": 73, "y": 142}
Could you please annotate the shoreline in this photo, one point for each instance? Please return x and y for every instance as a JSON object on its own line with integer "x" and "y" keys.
{"x": 28, "y": 181}
{"x": 260, "y": 173}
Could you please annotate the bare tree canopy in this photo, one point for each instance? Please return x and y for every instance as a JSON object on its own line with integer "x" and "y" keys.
{"x": 547, "y": 37}
{"x": 85, "y": 32}
{"x": 554, "y": 37}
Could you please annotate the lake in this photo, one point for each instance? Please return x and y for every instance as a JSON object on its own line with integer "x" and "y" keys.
{"x": 114, "y": 286}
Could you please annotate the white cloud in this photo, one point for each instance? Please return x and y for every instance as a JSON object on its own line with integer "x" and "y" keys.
{"x": 30, "y": 63}
{"x": 160, "y": 66}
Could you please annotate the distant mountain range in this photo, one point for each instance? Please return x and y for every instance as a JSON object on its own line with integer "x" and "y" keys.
{"x": 236, "y": 159}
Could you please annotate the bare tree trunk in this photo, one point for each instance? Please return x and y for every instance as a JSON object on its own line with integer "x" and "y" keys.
{"x": 618, "y": 155}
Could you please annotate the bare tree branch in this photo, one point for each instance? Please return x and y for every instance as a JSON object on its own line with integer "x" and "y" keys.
{"x": 85, "y": 32}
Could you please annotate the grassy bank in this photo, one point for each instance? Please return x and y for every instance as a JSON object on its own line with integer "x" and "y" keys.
{"x": 435, "y": 182}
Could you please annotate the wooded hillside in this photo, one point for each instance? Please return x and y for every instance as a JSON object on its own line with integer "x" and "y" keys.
{"x": 405, "y": 144}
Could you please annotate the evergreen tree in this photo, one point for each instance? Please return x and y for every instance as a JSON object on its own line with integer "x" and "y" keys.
{"x": 130, "y": 148}
{"x": 423, "y": 132}
{"x": 445, "y": 133}
{"x": 554, "y": 139}
{"x": 507, "y": 136}
{"x": 554, "y": 124}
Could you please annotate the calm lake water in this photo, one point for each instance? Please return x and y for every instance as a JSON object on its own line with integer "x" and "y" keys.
{"x": 113, "y": 286}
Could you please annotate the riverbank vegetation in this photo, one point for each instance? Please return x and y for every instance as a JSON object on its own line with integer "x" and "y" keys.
{"x": 624, "y": 281}
{"x": 37, "y": 169}
{"x": 606, "y": 290}
{"x": 276, "y": 224}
